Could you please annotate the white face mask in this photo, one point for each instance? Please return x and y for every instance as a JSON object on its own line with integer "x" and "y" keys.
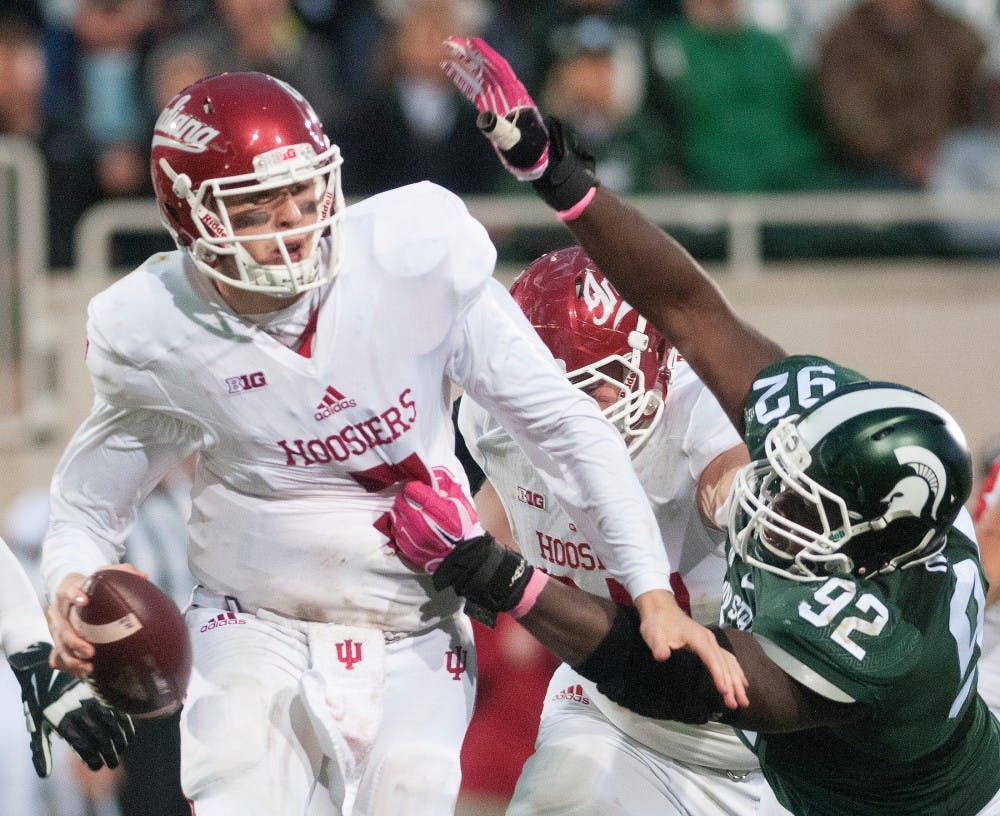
{"x": 218, "y": 239}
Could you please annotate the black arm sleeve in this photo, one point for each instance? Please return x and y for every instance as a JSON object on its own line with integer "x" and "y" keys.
{"x": 473, "y": 472}
{"x": 625, "y": 671}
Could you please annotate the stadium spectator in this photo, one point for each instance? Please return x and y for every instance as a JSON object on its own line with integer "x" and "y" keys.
{"x": 96, "y": 81}
{"x": 407, "y": 127}
{"x": 969, "y": 162}
{"x": 896, "y": 77}
{"x": 597, "y": 86}
{"x": 95, "y": 105}
{"x": 269, "y": 36}
{"x": 178, "y": 61}
{"x": 23, "y": 72}
{"x": 744, "y": 112}
{"x": 22, "y": 77}
{"x": 352, "y": 29}
{"x": 545, "y": 28}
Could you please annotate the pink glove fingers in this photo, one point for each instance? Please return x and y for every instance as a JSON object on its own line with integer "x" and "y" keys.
{"x": 486, "y": 79}
{"x": 426, "y": 522}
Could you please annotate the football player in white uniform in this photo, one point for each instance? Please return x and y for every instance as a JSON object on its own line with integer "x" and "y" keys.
{"x": 593, "y": 756}
{"x": 986, "y": 515}
{"x": 53, "y": 700}
{"x": 307, "y": 353}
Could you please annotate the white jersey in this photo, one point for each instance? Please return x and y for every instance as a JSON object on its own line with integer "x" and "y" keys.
{"x": 989, "y": 659}
{"x": 692, "y": 432}
{"x": 299, "y": 456}
{"x": 22, "y": 621}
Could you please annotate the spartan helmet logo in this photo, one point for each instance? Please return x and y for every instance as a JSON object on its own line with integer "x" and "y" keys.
{"x": 910, "y": 494}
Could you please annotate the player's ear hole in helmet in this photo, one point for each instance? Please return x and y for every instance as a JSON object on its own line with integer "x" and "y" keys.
{"x": 868, "y": 481}
{"x": 235, "y": 135}
{"x": 599, "y": 338}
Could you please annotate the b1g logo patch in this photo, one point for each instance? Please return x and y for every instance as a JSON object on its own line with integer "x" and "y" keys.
{"x": 530, "y": 497}
{"x": 245, "y": 382}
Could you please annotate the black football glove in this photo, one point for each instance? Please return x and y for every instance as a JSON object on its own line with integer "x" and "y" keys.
{"x": 56, "y": 701}
{"x": 491, "y": 578}
{"x": 569, "y": 175}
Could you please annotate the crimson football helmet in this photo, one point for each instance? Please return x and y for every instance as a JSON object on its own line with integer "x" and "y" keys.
{"x": 598, "y": 337}
{"x": 236, "y": 134}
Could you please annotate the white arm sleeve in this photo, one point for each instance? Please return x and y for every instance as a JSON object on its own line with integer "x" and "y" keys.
{"x": 21, "y": 619}
{"x": 505, "y": 367}
{"x": 111, "y": 464}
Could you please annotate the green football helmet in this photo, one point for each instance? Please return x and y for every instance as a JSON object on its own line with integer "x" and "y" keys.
{"x": 868, "y": 481}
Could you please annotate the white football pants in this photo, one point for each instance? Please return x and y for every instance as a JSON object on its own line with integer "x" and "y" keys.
{"x": 584, "y": 765}
{"x": 285, "y": 717}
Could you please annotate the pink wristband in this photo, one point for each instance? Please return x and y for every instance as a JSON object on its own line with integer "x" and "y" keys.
{"x": 536, "y": 583}
{"x": 577, "y": 209}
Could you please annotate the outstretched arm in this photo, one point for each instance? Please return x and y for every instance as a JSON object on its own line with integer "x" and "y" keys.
{"x": 705, "y": 678}
{"x": 601, "y": 641}
{"x": 435, "y": 529}
{"x": 657, "y": 275}
{"x": 651, "y": 270}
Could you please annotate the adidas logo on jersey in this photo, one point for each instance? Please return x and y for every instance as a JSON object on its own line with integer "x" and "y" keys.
{"x": 333, "y": 402}
{"x": 572, "y": 693}
{"x": 223, "y": 619}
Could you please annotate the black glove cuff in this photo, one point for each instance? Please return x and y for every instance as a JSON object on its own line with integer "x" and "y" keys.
{"x": 487, "y": 574}
{"x": 570, "y": 174}
{"x": 34, "y": 657}
{"x": 626, "y": 672}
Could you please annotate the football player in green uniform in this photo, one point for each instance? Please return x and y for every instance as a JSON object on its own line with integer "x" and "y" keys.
{"x": 855, "y": 593}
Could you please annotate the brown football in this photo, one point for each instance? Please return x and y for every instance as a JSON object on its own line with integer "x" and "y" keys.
{"x": 142, "y": 651}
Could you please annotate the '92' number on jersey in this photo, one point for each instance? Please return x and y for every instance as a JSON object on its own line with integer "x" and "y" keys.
{"x": 811, "y": 384}
{"x": 831, "y": 599}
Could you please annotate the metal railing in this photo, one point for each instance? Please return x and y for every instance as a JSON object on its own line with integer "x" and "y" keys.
{"x": 35, "y": 334}
{"x": 27, "y": 356}
{"x": 743, "y": 217}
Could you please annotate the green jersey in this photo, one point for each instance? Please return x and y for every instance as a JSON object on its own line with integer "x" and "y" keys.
{"x": 904, "y": 645}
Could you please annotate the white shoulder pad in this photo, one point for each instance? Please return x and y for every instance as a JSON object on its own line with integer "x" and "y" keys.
{"x": 422, "y": 230}
{"x": 134, "y": 323}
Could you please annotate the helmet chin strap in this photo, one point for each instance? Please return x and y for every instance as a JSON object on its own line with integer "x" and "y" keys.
{"x": 637, "y": 338}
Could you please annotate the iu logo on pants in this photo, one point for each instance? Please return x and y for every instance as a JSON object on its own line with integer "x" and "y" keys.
{"x": 455, "y": 661}
{"x": 349, "y": 653}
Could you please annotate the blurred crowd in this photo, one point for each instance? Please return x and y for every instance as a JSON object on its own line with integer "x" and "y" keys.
{"x": 735, "y": 96}
{"x": 725, "y": 96}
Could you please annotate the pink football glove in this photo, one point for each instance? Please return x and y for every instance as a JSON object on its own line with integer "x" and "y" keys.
{"x": 508, "y": 115}
{"x": 427, "y": 522}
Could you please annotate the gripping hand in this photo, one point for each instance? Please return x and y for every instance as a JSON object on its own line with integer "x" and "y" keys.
{"x": 437, "y": 530}
{"x": 56, "y": 701}
{"x": 531, "y": 147}
{"x": 427, "y": 522}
